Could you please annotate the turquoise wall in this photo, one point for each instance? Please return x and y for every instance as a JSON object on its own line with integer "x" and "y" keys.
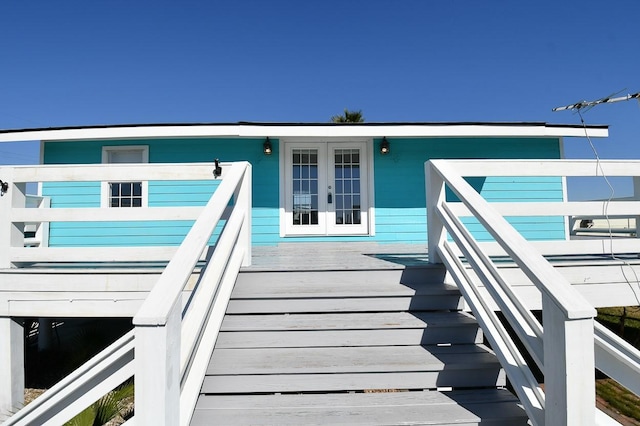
{"x": 189, "y": 193}
{"x": 399, "y": 188}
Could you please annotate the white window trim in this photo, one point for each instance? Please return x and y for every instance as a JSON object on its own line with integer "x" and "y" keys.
{"x": 104, "y": 192}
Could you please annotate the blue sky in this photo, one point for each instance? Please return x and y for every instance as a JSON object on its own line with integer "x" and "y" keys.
{"x": 111, "y": 62}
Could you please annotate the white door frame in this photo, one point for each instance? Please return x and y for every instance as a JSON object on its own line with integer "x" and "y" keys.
{"x": 327, "y": 211}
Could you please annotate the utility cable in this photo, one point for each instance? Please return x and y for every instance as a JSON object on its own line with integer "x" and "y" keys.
{"x": 605, "y": 210}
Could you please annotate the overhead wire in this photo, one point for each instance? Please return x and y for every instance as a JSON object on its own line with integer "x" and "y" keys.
{"x": 606, "y": 203}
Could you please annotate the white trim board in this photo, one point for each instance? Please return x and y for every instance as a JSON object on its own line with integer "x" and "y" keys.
{"x": 368, "y": 130}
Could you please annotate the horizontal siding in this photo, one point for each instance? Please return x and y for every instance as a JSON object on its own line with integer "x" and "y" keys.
{"x": 101, "y": 234}
{"x": 399, "y": 193}
{"x": 72, "y": 194}
{"x": 181, "y": 193}
{"x": 162, "y": 194}
{"x": 400, "y": 184}
{"x": 530, "y": 227}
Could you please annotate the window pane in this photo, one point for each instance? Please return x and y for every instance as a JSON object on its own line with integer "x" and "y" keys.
{"x": 125, "y": 156}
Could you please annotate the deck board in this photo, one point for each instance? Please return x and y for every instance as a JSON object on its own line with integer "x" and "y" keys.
{"x": 353, "y": 321}
{"x": 337, "y": 256}
{"x": 331, "y": 382}
{"x": 347, "y": 359}
{"x": 335, "y": 284}
{"x": 353, "y": 304}
{"x": 353, "y": 338}
{"x": 489, "y": 406}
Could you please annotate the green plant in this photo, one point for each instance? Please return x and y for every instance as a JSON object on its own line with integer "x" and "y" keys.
{"x": 348, "y": 117}
{"x": 117, "y": 403}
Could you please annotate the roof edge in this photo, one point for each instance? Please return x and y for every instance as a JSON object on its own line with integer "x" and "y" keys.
{"x": 257, "y": 129}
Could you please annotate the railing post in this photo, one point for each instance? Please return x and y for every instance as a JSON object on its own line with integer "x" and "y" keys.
{"x": 11, "y": 234}
{"x": 435, "y": 192}
{"x": 636, "y": 197}
{"x": 569, "y": 363}
{"x": 11, "y": 367}
{"x": 243, "y": 197}
{"x": 157, "y": 371}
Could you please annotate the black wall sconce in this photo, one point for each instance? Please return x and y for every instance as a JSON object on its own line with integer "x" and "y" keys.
{"x": 4, "y": 187}
{"x": 384, "y": 146}
{"x": 266, "y": 147}
{"x": 217, "y": 170}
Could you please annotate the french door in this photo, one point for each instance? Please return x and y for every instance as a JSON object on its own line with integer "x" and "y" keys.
{"x": 326, "y": 188}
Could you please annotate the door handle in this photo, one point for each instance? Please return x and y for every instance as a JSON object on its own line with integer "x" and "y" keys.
{"x": 329, "y": 198}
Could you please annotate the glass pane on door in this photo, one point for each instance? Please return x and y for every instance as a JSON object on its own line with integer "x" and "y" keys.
{"x": 305, "y": 186}
{"x": 347, "y": 187}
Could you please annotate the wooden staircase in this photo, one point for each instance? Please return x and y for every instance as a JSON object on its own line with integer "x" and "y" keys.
{"x": 352, "y": 347}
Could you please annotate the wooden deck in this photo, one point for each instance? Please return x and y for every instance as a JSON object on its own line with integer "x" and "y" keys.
{"x": 318, "y": 333}
{"x": 337, "y": 256}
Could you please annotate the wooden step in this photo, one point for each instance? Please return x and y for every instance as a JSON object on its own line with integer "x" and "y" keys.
{"x": 348, "y": 329}
{"x": 344, "y": 304}
{"x": 352, "y": 347}
{"x": 264, "y": 370}
{"x": 304, "y": 284}
{"x": 482, "y": 406}
{"x": 340, "y": 291}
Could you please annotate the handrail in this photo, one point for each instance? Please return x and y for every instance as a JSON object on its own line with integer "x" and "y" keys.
{"x": 157, "y": 307}
{"x": 164, "y": 392}
{"x": 102, "y": 373}
{"x": 175, "y": 330}
{"x": 564, "y": 347}
{"x": 617, "y": 358}
{"x": 539, "y": 271}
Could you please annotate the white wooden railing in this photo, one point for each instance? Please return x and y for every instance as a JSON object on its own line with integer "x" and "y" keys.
{"x": 564, "y": 348}
{"x": 174, "y": 329}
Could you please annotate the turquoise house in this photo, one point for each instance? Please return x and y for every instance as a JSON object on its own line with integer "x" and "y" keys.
{"x": 311, "y": 181}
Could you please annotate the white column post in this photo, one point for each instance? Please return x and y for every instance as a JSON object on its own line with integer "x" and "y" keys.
{"x": 636, "y": 197}
{"x": 435, "y": 192}
{"x": 569, "y": 363}
{"x": 11, "y": 367}
{"x": 44, "y": 333}
{"x": 11, "y": 235}
{"x": 243, "y": 199}
{"x": 157, "y": 371}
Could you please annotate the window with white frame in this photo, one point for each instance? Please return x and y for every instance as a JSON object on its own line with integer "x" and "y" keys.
{"x": 124, "y": 193}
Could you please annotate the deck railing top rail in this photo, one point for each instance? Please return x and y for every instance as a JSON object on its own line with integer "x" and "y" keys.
{"x": 541, "y": 273}
{"x": 15, "y": 214}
